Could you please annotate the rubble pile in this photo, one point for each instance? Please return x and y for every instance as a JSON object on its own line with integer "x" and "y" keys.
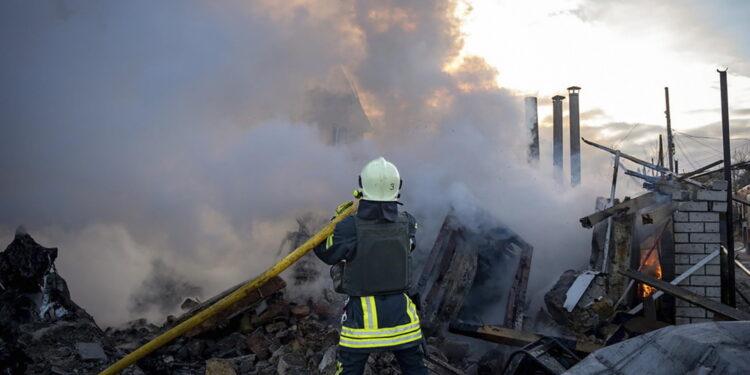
{"x": 589, "y": 314}
{"x": 42, "y": 331}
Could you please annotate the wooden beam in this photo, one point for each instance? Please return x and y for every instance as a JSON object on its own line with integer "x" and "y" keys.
{"x": 272, "y": 286}
{"x": 630, "y": 205}
{"x": 513, "y": 337}
{"x": 699, "y": 170}
{"x": 684, "y": 294}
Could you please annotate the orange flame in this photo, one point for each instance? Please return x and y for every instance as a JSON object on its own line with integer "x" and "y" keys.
{"x": 651, "y": 266}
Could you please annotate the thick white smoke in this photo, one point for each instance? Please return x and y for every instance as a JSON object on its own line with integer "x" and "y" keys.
{"x": 183, "y": 133}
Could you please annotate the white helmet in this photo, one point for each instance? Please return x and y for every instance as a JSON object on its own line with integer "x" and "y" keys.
{"x": 380, "y": 181}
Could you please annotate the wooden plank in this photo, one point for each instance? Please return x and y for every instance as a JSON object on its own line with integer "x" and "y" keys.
{"x": 699, "y": 170}
{"x": 684, "y": 294}
{"x": 437, "y": 366}
{"x": 272, "y": 286}
{"x": 629, "y": 206}
{"x": 513, "y": 337}
{"x": 517, "y": 293}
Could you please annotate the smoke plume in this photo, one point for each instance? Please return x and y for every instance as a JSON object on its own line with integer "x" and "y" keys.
{"x": 193, "y": 134}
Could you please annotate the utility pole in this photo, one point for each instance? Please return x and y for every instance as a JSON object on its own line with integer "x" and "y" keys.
{"x": 670, "y": 144}
{"x": 661, "y": 152}
{"x": 727, "y": 261}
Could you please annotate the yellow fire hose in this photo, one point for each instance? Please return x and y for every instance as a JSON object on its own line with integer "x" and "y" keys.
{"x": 231, "y": 299}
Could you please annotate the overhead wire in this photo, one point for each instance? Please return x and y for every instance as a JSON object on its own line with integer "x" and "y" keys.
{"x": 695, "y": 139}
{"x": 681, "y": 146}
{"x": 626, "y": 135}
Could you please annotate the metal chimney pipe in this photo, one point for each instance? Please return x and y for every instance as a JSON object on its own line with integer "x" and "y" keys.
{"x": 727, "y": 260}
{"x": 532, "y": 124}
{"x": 575, "y": 136}
{"x": 557, "y": 137}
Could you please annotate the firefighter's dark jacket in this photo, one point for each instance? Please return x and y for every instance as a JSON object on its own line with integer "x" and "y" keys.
{"x": 372, "y": 323}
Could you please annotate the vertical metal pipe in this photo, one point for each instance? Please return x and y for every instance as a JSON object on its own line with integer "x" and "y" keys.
{"x": 670, "y": 143}
{"x": 575, "y": 136}
{"x": 557, "y": 137}
{"x": 727, "y": 262}
{"x": 608, "y": 236}
{"x": 532, "y": 125}
{"x": 661, "y": 152}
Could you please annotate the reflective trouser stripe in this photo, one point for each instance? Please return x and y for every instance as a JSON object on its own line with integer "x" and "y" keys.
{"x": 380, "y": 333}
{"x": 371, "y": 336}
{"x": 371, "y": 343}
{"x": 369, "y": 313}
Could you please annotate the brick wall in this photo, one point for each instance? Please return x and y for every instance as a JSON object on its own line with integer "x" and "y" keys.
{"x": 696, "y": 234}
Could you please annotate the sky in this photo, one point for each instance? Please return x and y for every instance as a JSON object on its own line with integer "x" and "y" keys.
{"x": 623, "y": 54}
{"x": 177, "y": 143}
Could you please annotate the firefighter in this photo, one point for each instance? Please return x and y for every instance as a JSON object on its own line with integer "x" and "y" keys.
{"x": 370, "y": 252}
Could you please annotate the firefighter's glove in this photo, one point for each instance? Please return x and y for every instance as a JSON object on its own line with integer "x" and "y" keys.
{"x": 341, "y": 208}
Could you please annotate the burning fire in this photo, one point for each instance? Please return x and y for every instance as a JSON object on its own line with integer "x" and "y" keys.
{"x": 651, "y": 266}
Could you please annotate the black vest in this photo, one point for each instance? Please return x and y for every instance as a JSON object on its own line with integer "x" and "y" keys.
{"x": 382, "y": 261}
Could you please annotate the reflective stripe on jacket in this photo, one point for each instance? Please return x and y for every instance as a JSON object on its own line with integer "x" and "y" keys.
{"x": 388, "y": 322}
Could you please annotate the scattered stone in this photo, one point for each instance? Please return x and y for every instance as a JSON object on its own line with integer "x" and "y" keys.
{"x": 90, "y": 351}
{"x": 328, "y": 363}
{"x": 258, "y": 345}
{"x": 218, "y": 366}
{"x": 275, "y": 327}
{"x": 291, "y": 363}
{"x": 301, "y": 311}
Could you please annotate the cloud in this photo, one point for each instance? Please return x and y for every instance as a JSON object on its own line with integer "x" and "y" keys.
{"x": 713, "y": 32}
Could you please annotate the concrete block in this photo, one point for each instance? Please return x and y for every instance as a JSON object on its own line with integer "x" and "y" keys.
{"x": 681, "y": 237}
{"x": 716, "y": 260}
{"x": 696, "y": 258}
{"x": 688, "y": 227}
{"x": 709, "y": 314}
{"x": 719, "y": 185}
{"x": 681, "y": 268}
{"x": 682, "y": 303}
{"x": 701, "y": 320}
{"x": 704, "y": 281}
{"x": 711, "y": 195}
{"x": 713, "y": 291}
{"x": 711, "y": 227}
{"x": 682, "y": 320}
{"x": 699, "y": 290}
{"x": 682, "y": 259}
{"x": 681, "y": 216}
{"x": 690, "y": 312}
{"x": 719, "y": 206}
{"x": 705, "y": 237}
{"x": 689, "y": 248}
{"x": 711, "y": 247}
{"x": 713, "y": 269}
{"x": 692, "y": 206}
{"x": 681, "y": 195}
{"x": 704, "y": 216}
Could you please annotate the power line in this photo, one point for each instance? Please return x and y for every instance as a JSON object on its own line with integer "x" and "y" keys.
{"x": 715, "y": 138}
{"x": 626, "y": 135}
{"x": 695, "y": 139}
{"x": 682, "y": 148}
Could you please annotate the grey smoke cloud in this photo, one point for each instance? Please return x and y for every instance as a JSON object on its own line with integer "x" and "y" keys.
{"x": 141, "y": 132}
